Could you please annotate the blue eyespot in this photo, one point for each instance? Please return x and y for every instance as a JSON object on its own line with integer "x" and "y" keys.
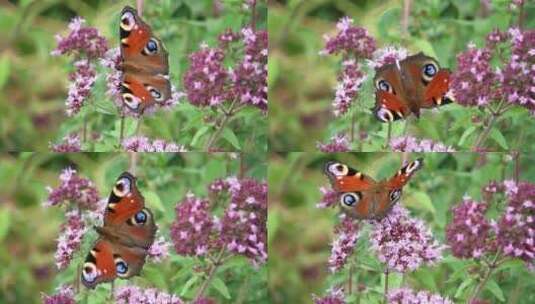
{"x": 152, "y": 46}
{"x": 430, "y": 70}
{"x": 383, "y": 85}
{"x": 350, "y": 199}
{"x": 121, "y": 267}
{"x": 140, "y": 217}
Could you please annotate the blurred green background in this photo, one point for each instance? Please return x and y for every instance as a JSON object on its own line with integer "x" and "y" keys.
{"x": 300, "y": 234}
{"x": 301, "y": 82}
{"x": 28, "y": 231}
{"x": 34, "y": 84}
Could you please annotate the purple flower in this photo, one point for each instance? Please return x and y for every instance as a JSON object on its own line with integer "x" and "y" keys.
{"x": 338, "y": 143}
{"x": 516, "y": 226}
{"x": 134, "y": 295}
{"x": 144, "y": 144}
{"x": 473, "y": 81}
{"x": 249, "y": 78}
{"x": 330, "y": 198}
{"x": 518, "y": 76}
{"x": 404, "y": 243}
{"x": 243, "y": 227}
{"x": 387, "y": 55}
{"x": 71, "y": 143}
{"x": 75, "y": 189}
{"x": 412, "y": 144}
{"x": 468, "y": 233}
{"x": 334, "y": 296}
{"x": 228, "y": 37}
{"x": 192, "y": 230}
{"x": 159, "y": 250}
{"x": 70, "y": 239}
{"x": 350, "y": 41}
{"x": 205, "y": 80}
{"x": 82, "y": 81}
{"x": 347, "y": 234}
{"x": 81, "y": 40}
{"x": 65, "y": 295}
{"x": 409, "y": 296}
{"x": 349, "y": 81}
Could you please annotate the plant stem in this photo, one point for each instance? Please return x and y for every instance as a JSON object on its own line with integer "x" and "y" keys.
{"x": 386, "y": 285}
{"x": 388, "y": 135}
{"x": 133, "y": 162}
{"x": 350, "y": 280}
{"x": 241, "y": 173}
{"x": 516, "y": 159}
{"x": 405, "y": 17}
{"x": 353, "y": 121}
{"x": 500, "y": 109}
{"x": 121, "y": 132}
{"x": 139, "y": 5}
{"x": 211, "y": 274}
{"x": 253, "y": 17}
{"x": 486, "y": 277}
{"x": 84, "y": 132}
{"x": 228, "y": 114}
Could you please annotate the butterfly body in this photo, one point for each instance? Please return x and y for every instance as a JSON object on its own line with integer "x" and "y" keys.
{"x": 125, "y": 237}
{"x": 407, "y": 86}
{"x": 361, "y": 196}
{"x": 144, "y": 64}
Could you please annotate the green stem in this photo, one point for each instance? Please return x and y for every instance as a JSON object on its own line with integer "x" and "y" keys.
{"x": 388, "y": 135}
{"x": 386, "y": 286}
{"x": 219, "y": 129}
{"x": 495, "y": 114}
{"x": 211, "y": 274}
{"x": 486, "y": 277}
{"x": 121, "y": 132}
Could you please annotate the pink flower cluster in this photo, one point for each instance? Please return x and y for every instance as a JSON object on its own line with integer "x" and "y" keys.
{"x": 387, "y": 55}
{"x": 334, "y": 296}
{"x": 82, "y": 81}
{"x": 347, "y": 234}
{"x": 243, "y": 226}
{"x": 134, "y": 295}
{"x": 412, "y": 144}
{"x": 329, "y": 198}
{"x": 71, "y": 143}
{"x": 350, "y": 41}
{"x": 349, "y": 82}
{"x": 409, "y": 296}
{"x": 65, "y": 295}
{"x": 472, "y": 235}
{"x": 159, "y": 250}
{"x": 74, "y": 189}
{"x": 192, "y": 231}
{"x": 208, "y": 82}
{"x": 467, "y": 234}
{"x": 338, "y": 143}
{"x": 477, "y": 83}
{"x": 81, "y": 40}
{"x": 404, "y": 243}
{"x": 71, "y": 234}
{"x": 144, "y": 144}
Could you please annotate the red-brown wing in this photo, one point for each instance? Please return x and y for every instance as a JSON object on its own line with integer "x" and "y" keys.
{"x": 404, "y": 174}
{"x": 389, "y": 94}
{"x": 140, "y": 91}
{"x": 436, "y": 91}
{"x": 388, "y": 107}
{"x": 346, "y": 179}
{"x": 108, "y": 261}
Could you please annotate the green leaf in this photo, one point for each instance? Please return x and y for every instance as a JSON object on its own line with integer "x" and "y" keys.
{"x": 4, "y": 223}
{"x": 464, "y": 285}
{"x": 188, "y": 285}
{"x": 495, "y": 289}
{"x": 420, "y": 200}
{"x": 4, "y": 70}
{"x": 499, "y": 138}
{"x": 153, "y": 200}
{"x": 466, "y": 134}
{"x": 220, "y": 286}
{"x": 199, "y": 134}
{"x": 229, "y": 135}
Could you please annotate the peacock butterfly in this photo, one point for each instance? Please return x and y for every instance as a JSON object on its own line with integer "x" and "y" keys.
{"x": 406, "y": 86}
{"x": 125, "y": 237}
{"x": 144, "y": 64}
{"x": 362, "y": 197}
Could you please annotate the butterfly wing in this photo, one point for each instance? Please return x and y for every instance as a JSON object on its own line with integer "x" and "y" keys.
{"x": 428, "y": 82}
{"x": 390, "y": 104}
{"x": 145, "y": 64}
{"x": 108, "y": 261}
{"x": 126, "y": 220}
{"x": 353, "y": 187}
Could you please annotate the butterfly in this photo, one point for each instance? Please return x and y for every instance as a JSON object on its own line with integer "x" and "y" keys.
{"x": 125, "y": 237}
{"x": 144, "y": 64}
{"x": 406, "y": 86}
{"x": 362, "y": 197}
